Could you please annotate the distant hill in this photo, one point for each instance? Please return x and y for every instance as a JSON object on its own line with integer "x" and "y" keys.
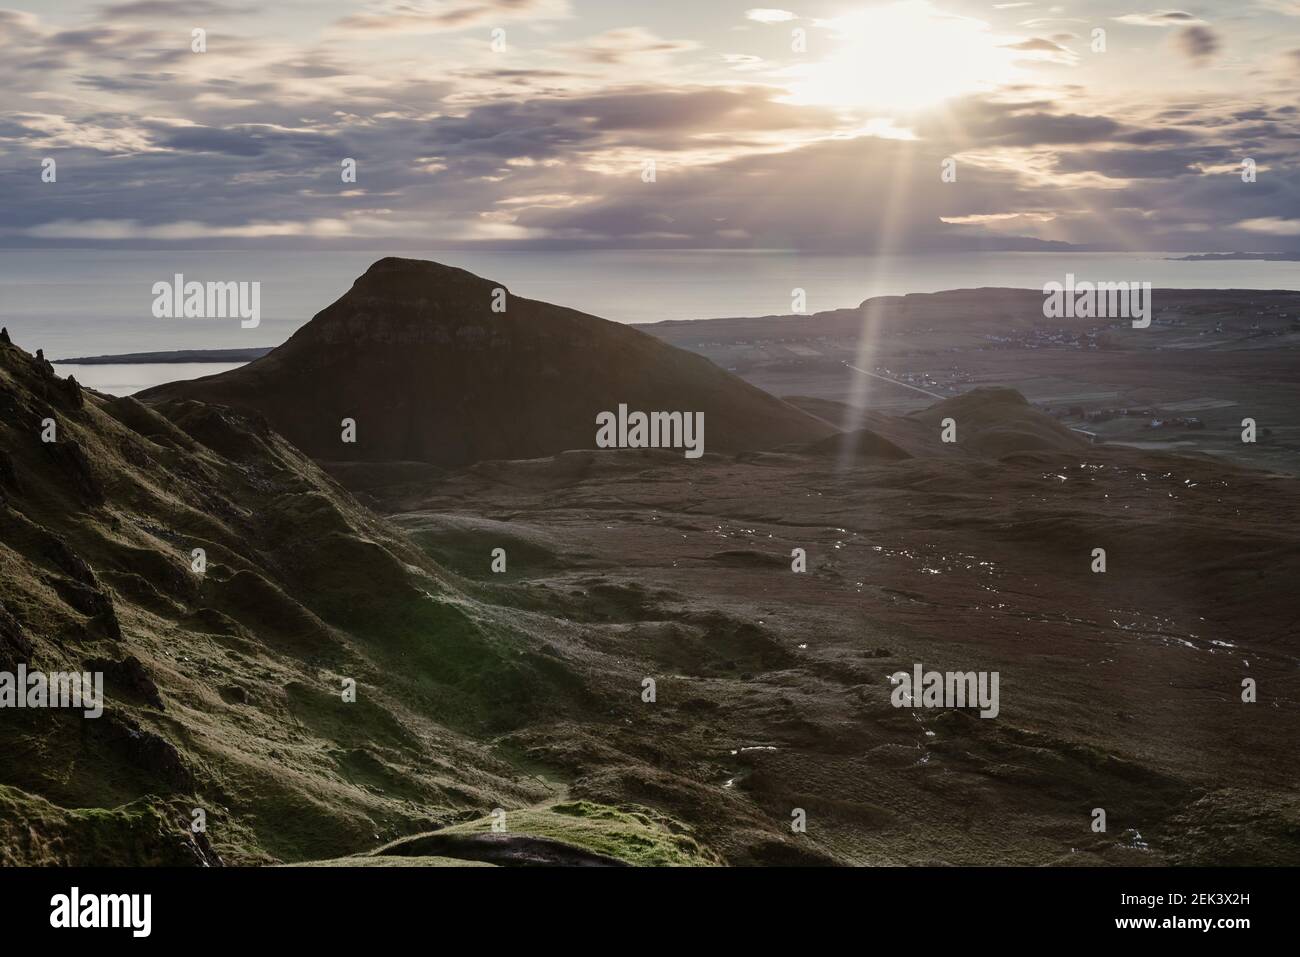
{"x": 990, "y": 422}
{"x": 415, "y": 353}
{"x": 180, "y": 355}
{"x": 1241, "y": 257}
{"x": 994, "y": 421}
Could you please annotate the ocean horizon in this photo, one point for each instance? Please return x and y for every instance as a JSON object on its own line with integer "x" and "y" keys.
{"x": 90, "y": 302}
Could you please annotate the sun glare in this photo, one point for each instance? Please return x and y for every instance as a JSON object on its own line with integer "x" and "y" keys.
{"x": 902, "y": 57}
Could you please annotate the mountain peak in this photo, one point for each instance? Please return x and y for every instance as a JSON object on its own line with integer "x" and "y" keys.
{"x": 436, "y": 364}
{"x": 397, "y": 277}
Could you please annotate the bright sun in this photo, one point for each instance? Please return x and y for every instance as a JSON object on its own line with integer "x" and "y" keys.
{"x": 902, "y": 57}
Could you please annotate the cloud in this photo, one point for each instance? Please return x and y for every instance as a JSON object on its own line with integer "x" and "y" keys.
{"x": 1272, "y": 226}
{"x": 769, "y": 15}
{"x": 1137, "y": 164}
{"x": 1287, "y": 8}
{"x": 628, "y": 44}
{"x": 637, "y": 110}
{"x": 779, "y": 200}
{"x": 132, "y": 229}
{"x": 1037, "y": 43}
{"x": 1044, "y": 50}
{"x": 244, "y": 140}
{"x": 445, "y": 16}
{"x": 1199, "y": 44}
{"x": 985, "y": 219}
{"x": 743, "y": 62}
{"x": 1160, "y": 18}
{"x": 241, "y": 146}
{"x": 158, "y": 9}
{"x": 1029, "y": 123}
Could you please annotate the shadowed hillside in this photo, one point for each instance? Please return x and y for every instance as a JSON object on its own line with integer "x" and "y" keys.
{"x": 224, "y": 687}
{"x": 415, "y": 354}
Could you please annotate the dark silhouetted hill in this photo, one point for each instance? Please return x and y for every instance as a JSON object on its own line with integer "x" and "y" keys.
{"x": 415, "y": 354}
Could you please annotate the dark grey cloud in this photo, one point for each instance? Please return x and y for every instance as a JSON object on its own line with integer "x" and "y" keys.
{"x": 781, "y": 200}
{"x": 249, "y": 139}
{"x": 123, "y": 83}
{"x": 1027, "y": 124}
{"x": 1158, "y": 135}
{"x": 14, "y": 131}
{"x": 1138, "y": 164}
{"x": 509, "y": 131}
{"x": 158, "y": 9}
{"x": 1198, "y": 43}
{"x": 651, "y": 119}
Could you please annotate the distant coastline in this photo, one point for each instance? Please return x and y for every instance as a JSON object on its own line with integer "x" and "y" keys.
{"x": 182, "y": 355}
{"x": 682, "y": 332}
{"x": 1239, "y": 257}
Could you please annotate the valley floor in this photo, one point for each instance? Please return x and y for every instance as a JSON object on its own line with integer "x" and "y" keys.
{"x": 1120, "y": 691}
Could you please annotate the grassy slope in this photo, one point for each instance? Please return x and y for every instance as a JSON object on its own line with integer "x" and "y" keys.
{"x": 224, "y": 689}
{"x": 637, "y": 835}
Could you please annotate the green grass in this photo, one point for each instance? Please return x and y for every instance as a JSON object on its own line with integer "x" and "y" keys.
{"x": 634, "y": 834}
{"x": 363, "y": 860}
{"x": 146, "y": 832}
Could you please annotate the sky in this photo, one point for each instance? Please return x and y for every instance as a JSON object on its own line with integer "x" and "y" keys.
{"x": 820, "y": 127}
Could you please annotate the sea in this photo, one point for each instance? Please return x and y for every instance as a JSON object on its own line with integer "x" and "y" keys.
{"x": 75, "y": 303}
